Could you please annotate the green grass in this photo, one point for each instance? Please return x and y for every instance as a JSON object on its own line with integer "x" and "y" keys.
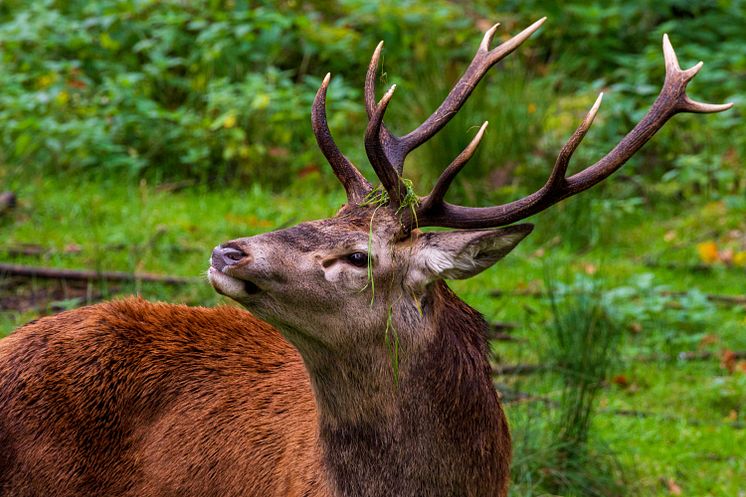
{"x": 691, "y": 430}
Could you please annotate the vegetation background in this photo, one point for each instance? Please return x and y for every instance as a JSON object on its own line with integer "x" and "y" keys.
{"x": 137, "y": 134}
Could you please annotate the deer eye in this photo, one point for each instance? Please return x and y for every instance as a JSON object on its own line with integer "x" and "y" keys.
{"x": 357, "y": 259}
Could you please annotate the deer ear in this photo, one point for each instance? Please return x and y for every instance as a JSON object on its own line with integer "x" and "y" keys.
{"x": 463, "y": 254}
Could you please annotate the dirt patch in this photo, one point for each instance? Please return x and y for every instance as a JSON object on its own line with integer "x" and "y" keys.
{"x": 47, "y": 296}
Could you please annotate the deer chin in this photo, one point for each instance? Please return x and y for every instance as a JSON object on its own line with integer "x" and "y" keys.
{"x": 231, "y": 287}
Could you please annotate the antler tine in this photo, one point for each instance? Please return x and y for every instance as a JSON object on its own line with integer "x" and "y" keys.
{"x": 563, "y": 158}
{"x": 435, "y": 198}
{"x": 375, "y": 148}
{"x": 370, "y": 107}
{"x": 433, "y": 211}
{"x": 671, "y": 100}
{"x": 370, "y": 81}
{"x": 483, "y": 60}
{"x": 397, "y": 148}
{"x": 354, "y": 183}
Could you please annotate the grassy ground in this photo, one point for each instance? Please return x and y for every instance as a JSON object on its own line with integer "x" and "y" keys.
{"x": 677, "y": 427}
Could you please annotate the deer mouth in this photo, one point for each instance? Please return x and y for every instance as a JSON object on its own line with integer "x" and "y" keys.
{"x": 250, "y": 287}
{"x": 230, "y": 286}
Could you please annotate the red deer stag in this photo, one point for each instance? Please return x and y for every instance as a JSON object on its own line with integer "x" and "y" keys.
{"x": 130, "y": 398}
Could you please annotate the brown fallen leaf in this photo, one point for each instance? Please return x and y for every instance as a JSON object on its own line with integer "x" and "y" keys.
{"x": 708, "y": 339}
{"x": 620, "y": 380}
{"x": 728, "y": 360}
{"x": 673, "y": 487}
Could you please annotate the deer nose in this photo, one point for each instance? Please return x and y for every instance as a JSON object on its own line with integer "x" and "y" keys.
{"x": 226, "y": 255}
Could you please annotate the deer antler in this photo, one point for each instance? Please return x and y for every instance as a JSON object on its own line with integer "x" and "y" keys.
{"x": 355, "y": 184}
{"x": 387, "y": 151}
{"x": 434, "y": 211}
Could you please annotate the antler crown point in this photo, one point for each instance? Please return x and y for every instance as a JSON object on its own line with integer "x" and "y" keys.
{"x": 488, "y": 35}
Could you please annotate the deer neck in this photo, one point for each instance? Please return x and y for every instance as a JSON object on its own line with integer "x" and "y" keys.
{"x": 434, "y": 429}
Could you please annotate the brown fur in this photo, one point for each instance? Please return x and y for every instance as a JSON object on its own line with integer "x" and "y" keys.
{"x": 448, "y": 435}
{"x": 130, "y": 398}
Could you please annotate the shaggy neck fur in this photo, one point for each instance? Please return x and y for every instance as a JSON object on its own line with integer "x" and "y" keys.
{"x": 438, "y": 431}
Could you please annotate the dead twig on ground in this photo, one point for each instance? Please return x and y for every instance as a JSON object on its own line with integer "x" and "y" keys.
{"x": 517, "y": 369}
{"x": 7, "y": 201}
{"x": 88, "y": 275}
{"x": 699, "y": 355}
{"x": 500, "y": 332}
{"x": 712, "y": 297}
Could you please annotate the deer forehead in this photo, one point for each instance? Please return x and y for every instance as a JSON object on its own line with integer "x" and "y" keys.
{"x": 319, "y": 235}
{"x": 345, "y": 232}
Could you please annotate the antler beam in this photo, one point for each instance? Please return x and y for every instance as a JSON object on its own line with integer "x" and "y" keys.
{"x": 433, "y": 211}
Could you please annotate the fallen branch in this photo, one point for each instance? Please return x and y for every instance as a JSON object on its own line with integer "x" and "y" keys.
{"x": 702, "y": 355}
{"x": 26, "y": 249}
{"x": 679, "y": 267}
{"x": 712, "y": 297}
{"x": 511, "y": 396}
{"x": 517, "y": 369}
{"x": 501, "y": 332}
{"x": 501, "y": 326}
{"x": 667, "y": 417}
{"x": 174, "y": 187}
{"x": 7, "y": 201}
{"x": 503, "y": 337}
{"x": 526, "y": 369}
{"x": 719, "y": 299}
{"x": 88, "y": 275}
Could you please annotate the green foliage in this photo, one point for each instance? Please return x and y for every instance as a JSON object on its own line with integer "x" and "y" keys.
{"x": 561, "y": 456}
{"x": 206, "y": 90}
{"x": 141, "y": 87}
{"x": 701, "y": 174}
{"x": 220, "y": 91}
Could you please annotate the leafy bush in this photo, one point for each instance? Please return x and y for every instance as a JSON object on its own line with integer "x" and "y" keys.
{"x": 207, "y": 90}
{"x": 219, "y": 91}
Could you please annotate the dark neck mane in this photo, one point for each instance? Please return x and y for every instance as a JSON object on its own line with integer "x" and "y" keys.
{"x": 439, "y": 432}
